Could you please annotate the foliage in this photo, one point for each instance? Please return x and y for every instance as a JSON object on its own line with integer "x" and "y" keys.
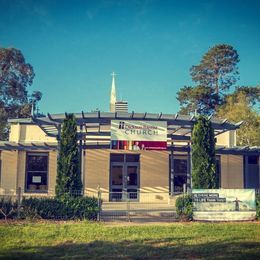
{"x": 252, "y": 94}
{"x": 218, "y": 68}
{"x": 199, "y": 98}
{"x": 15, "y": 77}
{"x": 184, "y": 207}
{"x": 53, "y": 208}
{"x": 203, "y": 155}
{"x": 239, "y": 107}
{"x": 68, "y": 170}
{"x": 213, "y": 76}
{"x": 258, "y": 206}
{"x": 8, "y": 208}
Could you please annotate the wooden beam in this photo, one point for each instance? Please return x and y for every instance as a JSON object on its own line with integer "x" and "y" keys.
{"x": 50, "y": 117}
{"x": 224, "y": 121}
{"x": 176, "y": 129}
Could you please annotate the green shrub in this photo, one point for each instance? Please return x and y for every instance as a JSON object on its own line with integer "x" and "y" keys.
{"x": 53, "y": 208}
{"x": 204, "y": 174}
{"x": 46, "y": 208}
{"x": 8, "y": 208}
{"x": 184, "y": 207}
{"x": 257, "y": 206}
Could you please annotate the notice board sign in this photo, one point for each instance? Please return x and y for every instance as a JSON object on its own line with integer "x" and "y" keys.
{"x": 138, "y": 135}
{"x": 223, "y": 204}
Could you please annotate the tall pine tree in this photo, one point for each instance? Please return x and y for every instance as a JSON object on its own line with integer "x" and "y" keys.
{"x": 203, "y": 155}
{"x": 216, "y": 73}
{"x": 68, "y": 170}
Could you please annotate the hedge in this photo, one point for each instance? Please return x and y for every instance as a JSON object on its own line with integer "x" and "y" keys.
{"x": 52, "y": 208}
{"x": 8, "y": 208}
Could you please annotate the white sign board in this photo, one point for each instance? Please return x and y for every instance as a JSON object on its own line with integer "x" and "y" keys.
{"x": 223, "y": 204}
{"x": 139, "y": 130}
{"x": 36, "y": 179}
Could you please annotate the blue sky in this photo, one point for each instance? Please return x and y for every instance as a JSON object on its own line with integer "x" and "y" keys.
{"x": 151, "y": 45}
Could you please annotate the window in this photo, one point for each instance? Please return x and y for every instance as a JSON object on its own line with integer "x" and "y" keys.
{"x": 36, "y": 172}
{"x": 252, "y": 172}
{"x": 132, "y": 157}
{"x": 180, "y": 166}
{"x": 252, "y": 160}
{"x": 117, "y": 157}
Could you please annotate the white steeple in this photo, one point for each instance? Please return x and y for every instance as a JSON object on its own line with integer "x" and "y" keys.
{"x": 113, "y": 94}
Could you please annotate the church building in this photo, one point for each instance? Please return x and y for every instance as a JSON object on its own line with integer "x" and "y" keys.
{"x": 125, "y": 155}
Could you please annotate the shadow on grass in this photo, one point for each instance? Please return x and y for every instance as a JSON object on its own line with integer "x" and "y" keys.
{"x": 154, "y": 249}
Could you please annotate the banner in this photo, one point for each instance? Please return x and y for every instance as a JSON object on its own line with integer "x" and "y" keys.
{"x": 138, "y": 135}
{"x": 224, "y": 204}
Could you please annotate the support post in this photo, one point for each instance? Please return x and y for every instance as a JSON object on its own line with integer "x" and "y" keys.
{"x": 83, "y": 171}
{"x": 172, "y": 172}
{"x": 19, "y": 199}
{"x": 189, "y": 179}
{"x": 58, "y": 151}
{"x": 80, "y": 158}
{"x": 99, "y": 204}
{"x": 128, "y": 207}
{"x": 184, "y": 188}
{"x": 246, "y": 170}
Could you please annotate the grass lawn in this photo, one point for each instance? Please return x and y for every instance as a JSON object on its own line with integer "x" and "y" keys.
{"x": 94, "y": 240}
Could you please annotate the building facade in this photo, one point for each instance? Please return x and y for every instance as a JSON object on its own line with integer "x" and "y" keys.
{"x": 116, "y": 167}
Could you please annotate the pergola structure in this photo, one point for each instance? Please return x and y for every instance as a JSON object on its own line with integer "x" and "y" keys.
{"x": 94, "y": 130}
{"x": 94, "y": 127}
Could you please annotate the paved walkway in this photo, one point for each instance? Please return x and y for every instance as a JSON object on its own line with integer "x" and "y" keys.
{"x": 138, "y": 212}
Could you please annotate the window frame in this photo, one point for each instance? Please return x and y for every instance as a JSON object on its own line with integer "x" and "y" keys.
{"x": 46, "y": 154}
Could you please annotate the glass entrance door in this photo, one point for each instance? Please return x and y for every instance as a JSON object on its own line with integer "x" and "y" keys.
{"x": 179, "y": 169}
{"x": 132, "y": 181}
{"x": 116, "y": 181}
{"x": 124, "y": 181}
